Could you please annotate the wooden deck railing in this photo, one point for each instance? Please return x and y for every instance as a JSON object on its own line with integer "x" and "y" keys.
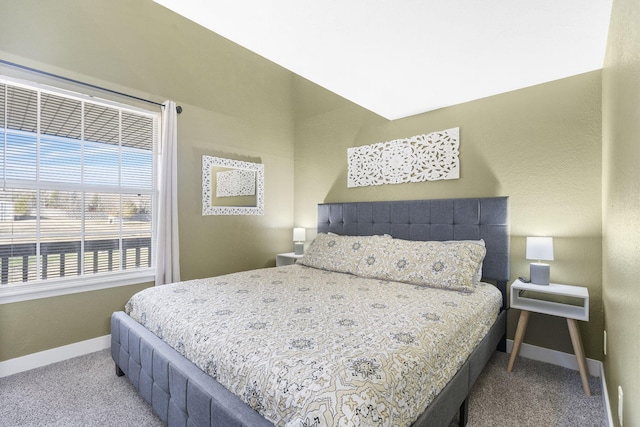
{"x": 99, "y": 248}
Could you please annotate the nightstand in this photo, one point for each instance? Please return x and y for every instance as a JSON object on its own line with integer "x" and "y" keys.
{"x": 570, "y": 312}
{"x": 287, "y": 259}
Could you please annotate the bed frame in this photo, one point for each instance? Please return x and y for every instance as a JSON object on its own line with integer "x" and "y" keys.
{"x": 182, "y": 394}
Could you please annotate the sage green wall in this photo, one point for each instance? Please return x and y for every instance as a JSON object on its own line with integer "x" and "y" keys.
{"x": 236, "y": 105}
{"x": 621, "y": 208}
{"x": 37, "y": 325}
{"x": 541, "y": 146}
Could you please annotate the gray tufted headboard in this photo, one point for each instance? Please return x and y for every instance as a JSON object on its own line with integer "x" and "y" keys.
{"x": 438, "y": 219}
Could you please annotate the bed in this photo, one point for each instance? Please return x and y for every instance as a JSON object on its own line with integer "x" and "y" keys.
{"x": 355, "y": 298}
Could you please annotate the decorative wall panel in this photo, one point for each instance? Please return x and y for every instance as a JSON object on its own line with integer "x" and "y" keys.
{"x": 236, "y": 183}
{"x": 429, "y": 157}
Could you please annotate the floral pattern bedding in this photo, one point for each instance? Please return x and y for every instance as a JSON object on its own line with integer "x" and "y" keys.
{"x": 310, "y": 347}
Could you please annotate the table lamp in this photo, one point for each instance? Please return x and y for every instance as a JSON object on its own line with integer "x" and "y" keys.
{"x": 299, "y": 237}
{"x": 540, "y": 248}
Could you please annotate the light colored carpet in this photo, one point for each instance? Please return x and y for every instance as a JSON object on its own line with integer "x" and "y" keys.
{"x": 85, "y": 391}
{"x": 533, "y": 394}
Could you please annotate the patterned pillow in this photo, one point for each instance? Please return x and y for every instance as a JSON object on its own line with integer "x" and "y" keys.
{"x": 338, "y": 253}
{"x": 478, "y": 276}
{"x": 449, "y": 265}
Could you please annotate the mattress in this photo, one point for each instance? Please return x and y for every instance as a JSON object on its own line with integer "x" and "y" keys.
{"x": 304, "y": 346}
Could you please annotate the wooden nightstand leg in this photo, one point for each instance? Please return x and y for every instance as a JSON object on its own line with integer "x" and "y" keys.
{"x": 520, "y": 331}
{"x": 577, "y": 348}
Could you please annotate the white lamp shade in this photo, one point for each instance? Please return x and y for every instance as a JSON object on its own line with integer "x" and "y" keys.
{"x": 299, "y": 234}
{"x": 540, "y": 248}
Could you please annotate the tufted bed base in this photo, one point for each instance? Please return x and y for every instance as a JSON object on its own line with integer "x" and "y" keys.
{"x": 183, "y": 395}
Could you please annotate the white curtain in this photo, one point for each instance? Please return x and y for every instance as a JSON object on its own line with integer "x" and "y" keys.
{"x": 167, "y": 249}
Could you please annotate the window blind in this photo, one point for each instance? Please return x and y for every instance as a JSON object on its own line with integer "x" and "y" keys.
{"x": 78, "y": 185}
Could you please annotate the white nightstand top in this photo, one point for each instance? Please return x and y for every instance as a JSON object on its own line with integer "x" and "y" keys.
{"x": 291, "y": 255}
{"x": 548, "y": 307}
{"x": 287, "y": 258}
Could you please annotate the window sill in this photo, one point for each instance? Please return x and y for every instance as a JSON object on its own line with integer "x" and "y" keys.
{"x": 58, "y": 287}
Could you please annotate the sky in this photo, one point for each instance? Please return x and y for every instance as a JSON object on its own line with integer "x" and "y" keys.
{"x": 66, "y": 160}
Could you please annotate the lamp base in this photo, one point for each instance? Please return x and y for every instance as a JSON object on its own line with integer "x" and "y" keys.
{"x": 298, "y": 248}
{"x": 539, "y": 273}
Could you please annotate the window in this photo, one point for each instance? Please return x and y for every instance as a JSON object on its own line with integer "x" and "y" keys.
{"x": 78, "y": 196}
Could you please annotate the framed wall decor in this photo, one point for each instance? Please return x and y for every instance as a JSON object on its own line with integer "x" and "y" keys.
{"x": 232, "y": 187}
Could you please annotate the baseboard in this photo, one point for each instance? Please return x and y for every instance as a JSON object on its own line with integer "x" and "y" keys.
{"x": 567, "y": 360}
{"x": 605, "y": 399}
{"x": 58, "y": 354}
{"x": 554, "y": 357}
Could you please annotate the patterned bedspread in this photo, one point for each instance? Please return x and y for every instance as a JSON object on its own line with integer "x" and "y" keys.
{"x": 308, "y": 347}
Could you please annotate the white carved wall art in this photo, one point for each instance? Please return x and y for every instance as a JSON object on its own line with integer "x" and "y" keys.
{"x": 429, "y": 157}
{"x": 209, "y": 163}
{"x": 235, "y": 183}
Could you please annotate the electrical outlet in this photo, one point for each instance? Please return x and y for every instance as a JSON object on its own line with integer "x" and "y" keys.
{"x": 605, "y": 342}
{"x": 620, "y": 400}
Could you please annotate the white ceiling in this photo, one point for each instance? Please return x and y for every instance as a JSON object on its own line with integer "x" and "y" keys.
{"x": 403, "y": 57}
